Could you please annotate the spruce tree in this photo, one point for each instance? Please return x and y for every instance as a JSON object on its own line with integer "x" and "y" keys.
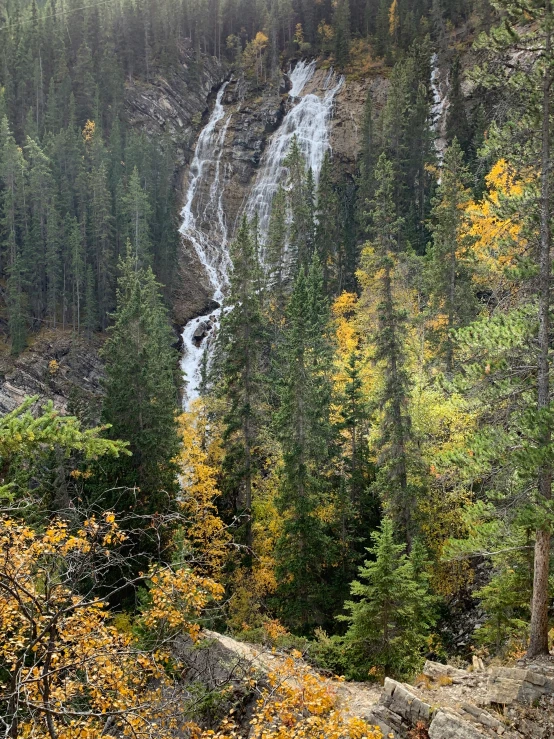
{"x": 136, "y": 214}
{"x": 381, "y": 260}
{"x": 276, "y": 253}
{"x": 457, "y": 123}
{"x": 14, "y": 234}
{"x": 341, "y": 28}
{"x": 300, "y": 187}
{"x": 303, "y": 425}
{"x": 449, "y": 270}
{"x": 241, "y": 343}
{"x": 141, "y": 396}
{"x": 393, "y": 613}
{"x": 327, "y": 232}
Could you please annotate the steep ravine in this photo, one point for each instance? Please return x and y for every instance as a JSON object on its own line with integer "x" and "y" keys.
{"x": 237, "y": 168}
{"x": 179, "y": 104}
{"x": 57, "y": 364}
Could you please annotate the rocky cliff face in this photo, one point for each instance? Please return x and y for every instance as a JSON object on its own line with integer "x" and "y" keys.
{"x": 57, "y": 366}
{"x": 256, "y": 112}
{"x": 178, "y": 104}
{"x": 175, "y": 103}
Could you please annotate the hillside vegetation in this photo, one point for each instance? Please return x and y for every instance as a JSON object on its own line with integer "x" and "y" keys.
{"x": 366, "y": 479}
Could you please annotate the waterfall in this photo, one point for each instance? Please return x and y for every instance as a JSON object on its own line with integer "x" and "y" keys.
{"x": 204, "y": 223}
{"x": 204, "y": 226}
{"x": 308, "y": 121}
{"x": 439, "y": 109}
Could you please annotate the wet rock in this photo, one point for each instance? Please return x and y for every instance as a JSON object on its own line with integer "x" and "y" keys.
{"x": 202, "y": 330}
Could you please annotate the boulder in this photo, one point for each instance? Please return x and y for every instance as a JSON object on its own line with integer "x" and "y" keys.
{"x": 436, "y": 670}
{"x": 448, "y": 725}
{"x": 399, "y": 710}
{"x": 508, "y": 685}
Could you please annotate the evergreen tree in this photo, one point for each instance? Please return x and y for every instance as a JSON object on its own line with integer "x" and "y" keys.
{"x": 137, "y": 211}
{"x": 300, "y": 187}
{"x": 275, "y": 252}
{"x": 53, "y": 264}
{"x": 327, "y": 233}
{"x": 241, "y": 342}
{"x": 341, "y": 29}
{"x": 391, "y": 618}
{"x": 141, "y": 395}
{"x": 527, "y": 136}
{"x": 77, "y": 268}
{"x": 381, "y": 260}
{"x": 449, "y": 271}
{"x": 457, "y": 123}
{"x": 91, "y": 312}
{"x": 14, "y": 232}
{"x": 304, "y": 550}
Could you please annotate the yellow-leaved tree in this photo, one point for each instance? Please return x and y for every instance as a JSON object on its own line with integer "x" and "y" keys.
{"x": 66, "y": 671}
{"x": 205, "y": 536}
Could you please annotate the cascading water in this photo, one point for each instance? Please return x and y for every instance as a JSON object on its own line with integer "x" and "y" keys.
{"x": 204, "y": 227}
{"x": 204, "y": 223}
{"x": 439, "y": 108}
{"x": 308, "y": 121}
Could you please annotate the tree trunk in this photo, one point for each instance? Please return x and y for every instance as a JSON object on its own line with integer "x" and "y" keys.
{"x": 538, "y": 641}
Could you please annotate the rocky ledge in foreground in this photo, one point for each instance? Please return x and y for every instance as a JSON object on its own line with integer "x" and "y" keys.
{"x": 445, "y": 702}
{"x": 448, "y": 703}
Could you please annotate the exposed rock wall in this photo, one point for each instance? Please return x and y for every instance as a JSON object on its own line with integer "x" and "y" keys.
{"x": 175, "y": 103}
{"x": 255, "y": 113}
{"x": 58, "y": 366}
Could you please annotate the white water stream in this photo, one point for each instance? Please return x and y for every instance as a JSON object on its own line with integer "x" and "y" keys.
{"x": 204, "y": 223}
{"x": 308, "y": 120}
{"x": 439, "y": 109}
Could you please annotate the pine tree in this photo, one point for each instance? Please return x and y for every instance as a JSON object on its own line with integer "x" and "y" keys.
{"x": 141, "y": 395}
{"x": 136, "y": 212}
{"x": 91, "y": 311}
{"x": 381, "y": 260}
{"x": 457, "y": 123}
{"x": 449, "y": 270}
{"x": 103, "y": 246}
{"x": 327, "y": 232}
{"x": 341, "y": 29}
{"x": 303, "y": 424}
{"x": 300, "y": 187}
{"x": 53, "y": 264}
{"x": 527, "y": 140}
{"x": 14, "y": 225}
{"x": 275, "y": 252}
{"x": 394, "y": 612}
{"x": 76, "y": 254}
{"x": 40, "y": 193}
{"x": 241, "y": 342}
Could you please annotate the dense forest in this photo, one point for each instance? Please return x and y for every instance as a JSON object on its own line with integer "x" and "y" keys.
{"x": 368, "y": 468}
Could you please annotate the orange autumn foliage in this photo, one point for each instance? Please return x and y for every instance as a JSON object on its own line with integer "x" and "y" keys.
{"x": 297, "y": 704}
{"x": 66, "y": 671}
{"x": 205, "y": 533}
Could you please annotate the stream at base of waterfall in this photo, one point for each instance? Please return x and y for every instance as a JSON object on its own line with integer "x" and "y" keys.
{"x": 204, "y": 225}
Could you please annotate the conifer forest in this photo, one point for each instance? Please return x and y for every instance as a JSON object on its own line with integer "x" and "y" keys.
{"x": 276, "y": 369}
